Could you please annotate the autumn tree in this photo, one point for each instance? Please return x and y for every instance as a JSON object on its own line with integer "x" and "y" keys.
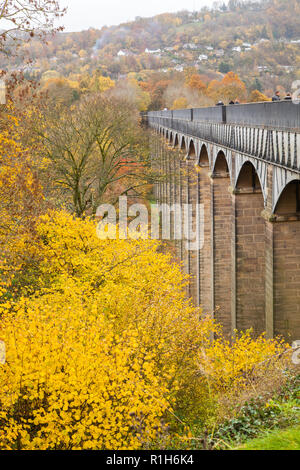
{"x": 21, "y": 195}
{"x": 61, "y": 90}
{"x": 131, "y": 90}
{"x": 231, "y": 87}
{"x": 157, "y": 90}
{"x": 100, "y": 83}
{"x": 256, "y": 97}
{"x": 180, "y": 103}
{"x": 195, "y": 83}
{"x": 96, "y": 150}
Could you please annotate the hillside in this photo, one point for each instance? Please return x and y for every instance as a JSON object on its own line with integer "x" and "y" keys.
{"x": 260, "y": 41}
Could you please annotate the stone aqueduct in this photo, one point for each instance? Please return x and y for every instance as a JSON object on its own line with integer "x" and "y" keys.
{"x": 242, "y": 162}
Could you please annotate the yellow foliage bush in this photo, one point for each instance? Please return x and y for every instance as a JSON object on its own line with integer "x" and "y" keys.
{"x": 180, "y": 103}
{"x": 72, "y": 382}
{"x": 256, "y": 96}
{"x": 102, "y": 346}
{"x": 96, "y": 354}
{"x": 229, "y": 365}
{"x": 21, "y": 197}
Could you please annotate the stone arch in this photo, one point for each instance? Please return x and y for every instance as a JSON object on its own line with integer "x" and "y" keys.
{"x": 260, "y": 172}
{"x": 281, "y": 179}
{"x": 183, "y": 143}
{"x": 171, "y": 137}
{"x": 203, "y": 157}
{"x": 192, "y": 150}
{"x": 289, "y": 199}
{"x": 176, "y": 141}
{"x": 248, "y": 178}
{"x": 221, "y": 165}
{"x": 216, "y": 150}
{"x": 167, "y": 134}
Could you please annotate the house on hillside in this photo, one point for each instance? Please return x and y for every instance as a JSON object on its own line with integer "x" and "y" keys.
{"x": 189, "y": 46}
{"x": 125, "y": 53}
{"x": 219, "y": 53}
{"x": 262, "y": 68}
{"x": 287, "y": 68}
{"x": 149, "y": 51}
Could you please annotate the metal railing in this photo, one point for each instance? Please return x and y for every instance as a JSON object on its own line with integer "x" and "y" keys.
{"x": 275, "y": 115}
{"x": 268, "y": 131}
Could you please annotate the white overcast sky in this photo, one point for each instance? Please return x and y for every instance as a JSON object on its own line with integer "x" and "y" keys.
{"x": 83, "y": 14}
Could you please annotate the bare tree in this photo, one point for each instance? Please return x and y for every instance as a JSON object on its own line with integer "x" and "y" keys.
{"x": 97, "y": 151}
{"x": 22, "y": 19}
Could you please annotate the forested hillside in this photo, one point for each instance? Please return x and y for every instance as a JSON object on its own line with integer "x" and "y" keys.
{"x": 259, "y": 40}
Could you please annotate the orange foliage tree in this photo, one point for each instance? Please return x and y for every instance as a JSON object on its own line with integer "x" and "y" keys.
{"x": 196, "y": 83}
{"x": 231, "y": 87}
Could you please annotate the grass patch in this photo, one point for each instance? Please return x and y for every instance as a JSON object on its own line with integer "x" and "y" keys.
{"x": 276, "y": 440}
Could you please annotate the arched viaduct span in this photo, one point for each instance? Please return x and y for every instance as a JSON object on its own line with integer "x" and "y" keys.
{"x": 242, "y": 163}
